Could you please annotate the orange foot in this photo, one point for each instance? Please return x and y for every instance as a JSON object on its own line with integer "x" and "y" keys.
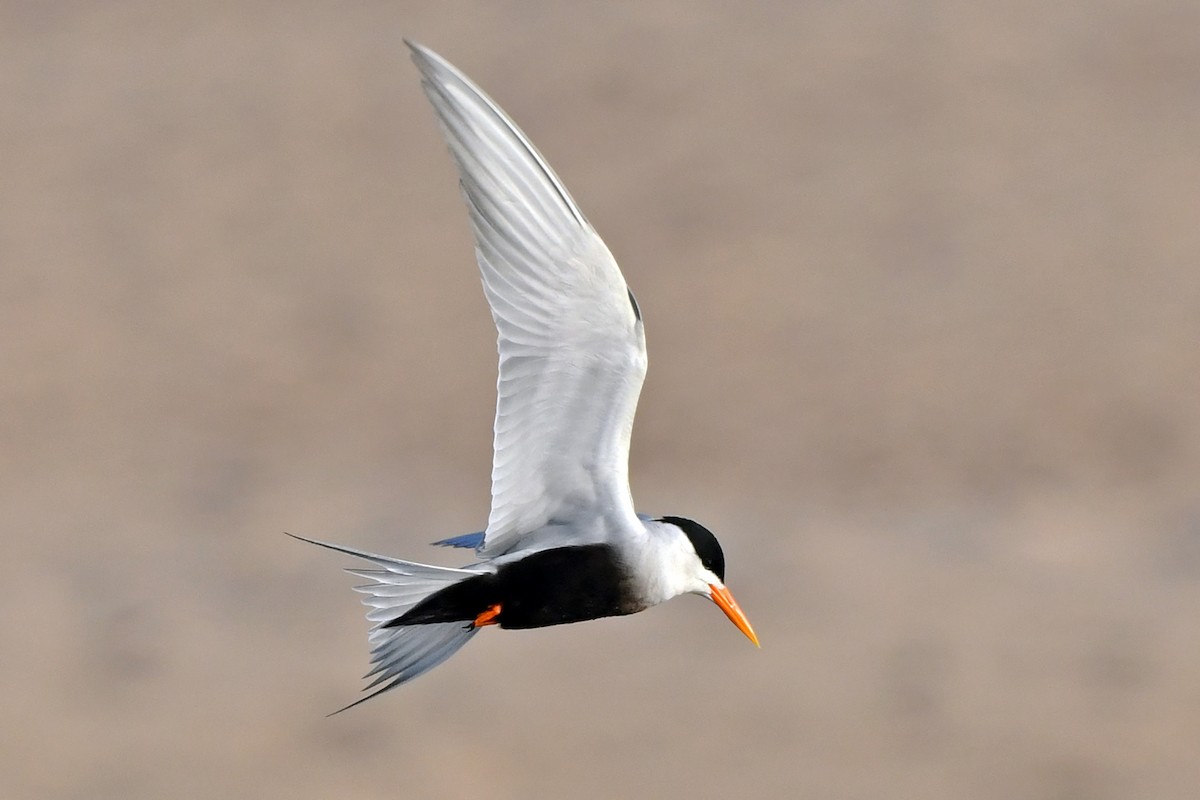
{"x": 488, "y": 617}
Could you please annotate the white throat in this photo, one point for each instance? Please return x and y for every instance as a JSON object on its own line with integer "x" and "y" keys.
{"x": 664, "y": 565}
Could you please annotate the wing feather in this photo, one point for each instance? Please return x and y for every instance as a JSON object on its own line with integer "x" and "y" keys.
{"x": 571, "y": 344}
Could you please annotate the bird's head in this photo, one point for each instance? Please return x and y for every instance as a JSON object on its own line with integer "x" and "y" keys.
{"x": 706, "y": 571}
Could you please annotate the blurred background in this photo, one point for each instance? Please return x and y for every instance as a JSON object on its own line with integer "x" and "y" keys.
{"x": 922, "y": 295}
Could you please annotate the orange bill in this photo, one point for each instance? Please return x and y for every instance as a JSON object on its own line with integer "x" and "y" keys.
{"x": 722, "y": 597}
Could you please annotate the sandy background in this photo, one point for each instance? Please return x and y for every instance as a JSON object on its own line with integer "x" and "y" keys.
{"x": 922, "y": 289}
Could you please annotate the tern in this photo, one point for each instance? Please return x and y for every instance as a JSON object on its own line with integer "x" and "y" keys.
{"x": 563, "y": 542}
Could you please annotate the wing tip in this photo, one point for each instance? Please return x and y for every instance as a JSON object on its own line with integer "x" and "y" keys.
{"x": 470, "y": 541}
{"x": 428, "y": 61}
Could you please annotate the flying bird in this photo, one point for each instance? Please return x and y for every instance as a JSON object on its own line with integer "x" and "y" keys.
{"x": 563, "y": 542}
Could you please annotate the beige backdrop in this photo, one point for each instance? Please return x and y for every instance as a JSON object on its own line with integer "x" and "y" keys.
{"x": 922, "y": 293}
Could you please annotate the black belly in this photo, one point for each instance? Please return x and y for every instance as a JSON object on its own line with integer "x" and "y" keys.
{"x": 551, "y": 587}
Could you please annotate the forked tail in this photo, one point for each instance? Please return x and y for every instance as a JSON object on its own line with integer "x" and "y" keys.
{"x": 401, "y": 653}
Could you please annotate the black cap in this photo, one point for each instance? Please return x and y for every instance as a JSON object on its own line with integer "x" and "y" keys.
{"x": 706, "y": 545}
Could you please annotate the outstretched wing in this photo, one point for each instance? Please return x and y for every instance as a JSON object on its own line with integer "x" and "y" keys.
{"x": 571, "y": 343}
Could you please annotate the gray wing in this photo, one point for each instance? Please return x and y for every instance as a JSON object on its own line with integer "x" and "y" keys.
{"x": 571, "y": 342}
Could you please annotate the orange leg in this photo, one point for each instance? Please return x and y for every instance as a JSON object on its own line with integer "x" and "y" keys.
{"x": 488, "y": 617}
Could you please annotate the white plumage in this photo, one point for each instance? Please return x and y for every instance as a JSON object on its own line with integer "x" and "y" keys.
{"x": 571, "y": 344}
